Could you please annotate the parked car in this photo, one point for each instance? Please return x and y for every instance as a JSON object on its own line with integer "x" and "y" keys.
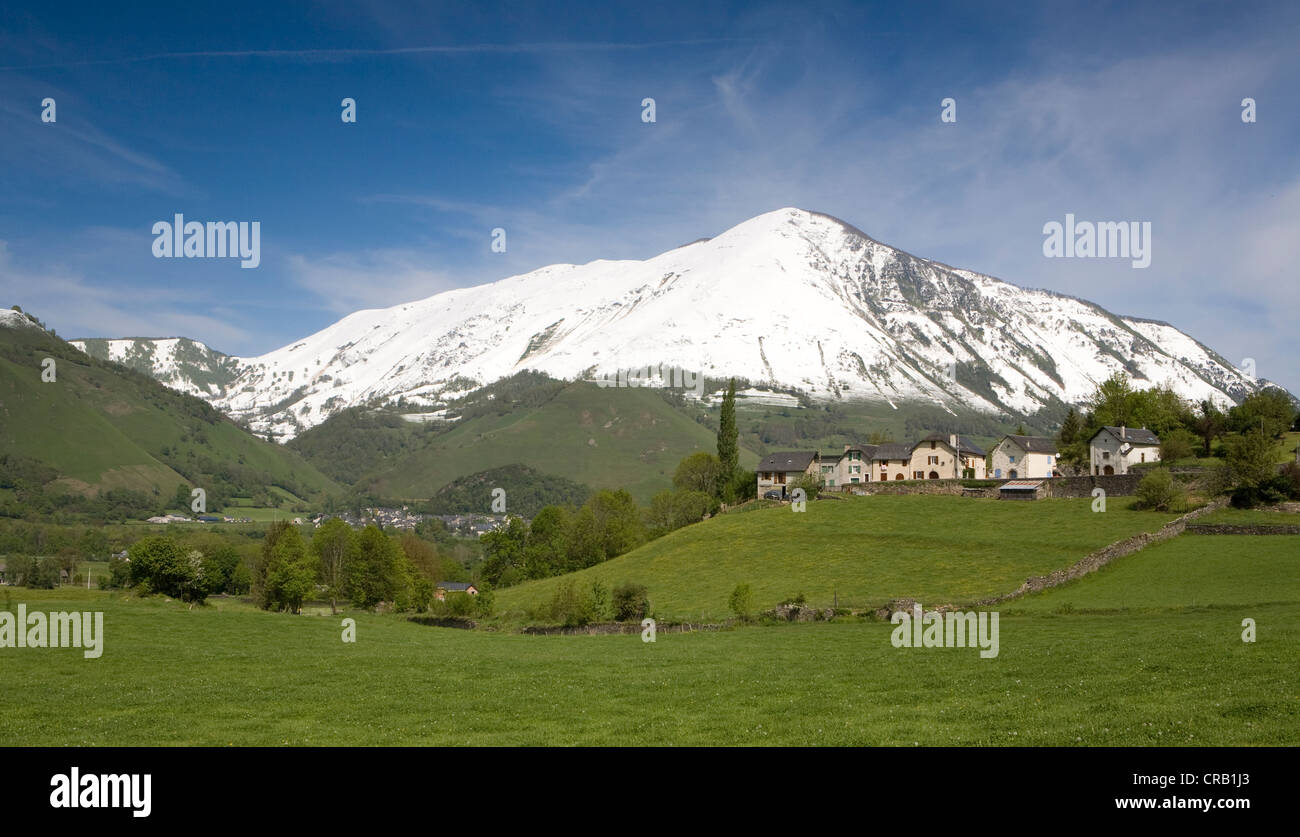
{"x": 772, "y": 495}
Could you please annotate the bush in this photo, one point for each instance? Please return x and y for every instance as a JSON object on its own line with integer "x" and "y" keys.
{"x": 810, "y": 483}
{"x": 741, "y": 601}
{"x": 1177, "y": 444}
{"x": 1291, "y": 479}
{"x": 1217, "y": 481}
{"x": 567, "y": 606}
{"x": 631, "y": 602}
{"x": 1159, "y": 491}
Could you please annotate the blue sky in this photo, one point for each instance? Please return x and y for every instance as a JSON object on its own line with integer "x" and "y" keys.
{"x": 476, "y": 116}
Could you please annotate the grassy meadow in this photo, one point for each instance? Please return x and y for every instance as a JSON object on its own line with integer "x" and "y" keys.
{"x": 1147, "y": 651}
{"x": 861, "y": 551}
{"x": 228, "y": 674}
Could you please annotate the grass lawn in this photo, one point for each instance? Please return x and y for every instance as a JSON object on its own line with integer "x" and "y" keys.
{"x": 1249, "y": 517}
{"x": 863, "y": 550}
{"x": 227, "y": 674}
{"x": 1188, "y": 572}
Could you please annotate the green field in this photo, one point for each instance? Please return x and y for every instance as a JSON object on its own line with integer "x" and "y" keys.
{"x": 1249, "y": 517}
{"x": 861, "y": 551}
{"x": 227, "y": 674}
{"x": 1189, "y": 572}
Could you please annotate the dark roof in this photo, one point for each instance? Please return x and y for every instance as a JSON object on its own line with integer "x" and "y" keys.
{"x": 454, "y": 586}
{"x": 789, "y": 460}
{"x": 1033, "y": 444}
{"x": 1132, "y": 435}
{"x": 893, "y": 450}
{"x": 966, "y": 445}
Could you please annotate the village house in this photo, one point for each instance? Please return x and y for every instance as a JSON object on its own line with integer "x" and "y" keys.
{"x": 442, "y": 588}
{"x": 851, "y": 467}
{"x": 1025, "y": 457}
{"x": 949, "y": 457}
{"x": 1113, "y": 450}
{"x": 890, "y": 461}
{"x": 780, "y": 471}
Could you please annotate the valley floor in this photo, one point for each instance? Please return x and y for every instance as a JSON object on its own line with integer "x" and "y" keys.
{"x": 1121, "y": 657}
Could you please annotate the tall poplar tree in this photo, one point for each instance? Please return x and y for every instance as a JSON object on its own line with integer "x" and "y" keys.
{"x": 728, "y": 444}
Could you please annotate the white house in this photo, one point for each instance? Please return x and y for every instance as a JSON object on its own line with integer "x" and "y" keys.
{"x": 1024, "y": 457}
{"x": 945, "y": 457}
{"x": 1113, "y": 450}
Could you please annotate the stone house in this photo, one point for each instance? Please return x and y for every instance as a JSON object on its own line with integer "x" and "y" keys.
{"x": 940, "y": 457}
{"x": 1025, "y": 457}
{"x": 1113, "y": 450}
{"x": 780, "y": 471}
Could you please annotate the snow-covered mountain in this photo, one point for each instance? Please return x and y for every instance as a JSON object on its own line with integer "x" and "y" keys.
{"x": 790, "y": 298}
{"x": 180, "y": 363}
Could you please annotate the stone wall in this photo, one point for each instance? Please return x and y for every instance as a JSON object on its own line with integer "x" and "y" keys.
{"x": 1243, "y": 529}
{"x": 1115, "y": 485}
{"x": 1102, "y": 557}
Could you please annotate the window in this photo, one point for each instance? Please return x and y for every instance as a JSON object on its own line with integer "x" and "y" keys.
{"x": 1049, "y": 460}
{"x": 1144, "y": 457}
{"x": 918, "y": 475}
{"x": 1013, "y": 459}
{"x": 853, "y": 479}
{"x": 932, "y": 460}
{"x": 1105, "y": 454}
{"x": 932, "y": 446}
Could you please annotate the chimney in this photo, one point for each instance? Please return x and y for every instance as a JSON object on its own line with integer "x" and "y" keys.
{"x": 952, "y": 440}
{"x": 1123, "y": 432}
{"x": 846, "y": 448}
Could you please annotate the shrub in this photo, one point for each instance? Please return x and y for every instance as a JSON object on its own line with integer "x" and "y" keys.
{"x": 597, "y": 602}
{"x": 1291, "y": 479}
{"x": 1177, "y": 444}
{"x": 631, "y": 602}
{"x": 811, "y": 484}
{"x": 741, "y": 601}
{"x": 1160, "y": 492}
{"x": 567, "y": 606}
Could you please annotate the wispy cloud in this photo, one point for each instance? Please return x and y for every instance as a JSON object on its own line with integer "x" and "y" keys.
{"x": 346, "y": 53}
{"x": 82, "y": 307}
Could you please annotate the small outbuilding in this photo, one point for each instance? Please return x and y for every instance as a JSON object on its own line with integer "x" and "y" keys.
{"x": 442, "y": 588}
{"x": 1021, "y": 490}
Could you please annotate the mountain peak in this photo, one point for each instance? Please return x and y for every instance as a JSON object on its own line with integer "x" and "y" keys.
{"x": 791, "y": 298}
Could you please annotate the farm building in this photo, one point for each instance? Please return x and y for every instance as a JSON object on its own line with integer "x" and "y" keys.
{"x": 1021, "y": 490}
{"x": 444, "y": 587}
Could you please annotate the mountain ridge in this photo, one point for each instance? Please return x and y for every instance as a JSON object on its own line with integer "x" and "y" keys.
{"x": 789, "y": 298}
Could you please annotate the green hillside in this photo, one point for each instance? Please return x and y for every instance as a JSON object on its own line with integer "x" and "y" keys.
{"x": 604, "y": 438}
{"x": 864, "y": 551}
{"x": 1190, "y": 571}
{"x": 101, "y": 426}
{"x": 527, "y": 491}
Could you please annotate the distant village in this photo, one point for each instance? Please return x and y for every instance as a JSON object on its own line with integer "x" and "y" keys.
{"x": 1112, "y": 450}
{"x": 465, "y": 525}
